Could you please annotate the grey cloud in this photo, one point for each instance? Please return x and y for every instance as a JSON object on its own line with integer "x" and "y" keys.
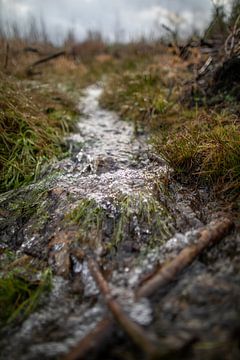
{"x": 109, "y": 16}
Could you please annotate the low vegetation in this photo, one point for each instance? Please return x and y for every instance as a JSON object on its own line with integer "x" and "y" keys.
{"x": 201, "y": 143}
{"x": 193, "y": 125}
{"x": 208, "y": 149}
{"x": 137, "y": 96}
{"x": 136, "y": 218}
{"x": 33, "y": 122}
{"x": 22, "y": 286}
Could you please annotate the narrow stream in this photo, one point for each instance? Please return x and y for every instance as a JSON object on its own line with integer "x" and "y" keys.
{"x": 112, "y": 158}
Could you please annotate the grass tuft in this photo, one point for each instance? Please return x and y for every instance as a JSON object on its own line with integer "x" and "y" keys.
{"x": 88, "y": 215}
{"x": 198, "y": 145}
{"x": 140, "y": 215}
{"x": 19, "y": 295}
{"x": 137, "y": 96}
{"x": 28, "y": 136}
{"x": 209, "y": 150}
{"x": 129, "y": 218}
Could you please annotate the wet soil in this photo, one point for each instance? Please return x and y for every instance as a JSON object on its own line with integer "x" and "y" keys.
{"x": 112, "y": 197}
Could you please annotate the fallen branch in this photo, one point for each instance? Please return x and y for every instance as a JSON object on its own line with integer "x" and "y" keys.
{"x": 208, "y": 236}
{"x": 166, "y": 274}
{"x": 103, "y": 330}
{"x": 96, "y": 339}
{"x": 44, "y": 60}
{"x": 31, "y": 49}
{"x": 232, "y": 40}
{"x": 138, "y": 335}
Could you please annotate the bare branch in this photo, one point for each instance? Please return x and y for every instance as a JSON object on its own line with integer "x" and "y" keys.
{"x": 103, "y": 330}
{"x": 138, "y": 335}
{"x": 96, "y": 339}
{"x": 209, "y": 236}
{"x": 45, "y": 59}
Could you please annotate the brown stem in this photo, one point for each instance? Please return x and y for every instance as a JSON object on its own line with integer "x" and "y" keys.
{"x": 95, "y": 339}
{"x": 138, "y": 335}
{"x": 166, "y": 274}
{"x": 45, "y": 59}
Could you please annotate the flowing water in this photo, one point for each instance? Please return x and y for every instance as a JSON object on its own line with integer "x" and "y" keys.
{"x": 112, "y": 197}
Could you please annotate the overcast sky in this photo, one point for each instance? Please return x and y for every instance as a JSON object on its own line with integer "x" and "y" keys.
{"x": 125, "y": 18}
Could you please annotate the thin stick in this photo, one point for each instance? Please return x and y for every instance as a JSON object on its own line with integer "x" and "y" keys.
{"x": 138, "y": 335}
{"x": 166, "y": 274}
{"x": 208, "y": 236}
{"x": 96, "y": 339}
{"x": 45, "y": 59}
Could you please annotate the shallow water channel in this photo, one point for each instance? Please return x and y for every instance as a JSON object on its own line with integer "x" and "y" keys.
{"x": 112, "y": 197}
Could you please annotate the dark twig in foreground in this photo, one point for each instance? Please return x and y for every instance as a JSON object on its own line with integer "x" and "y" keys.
{"x": 96, "y": 339}
{"x": 166, "y": 274}
{"x": 138, "y": 335}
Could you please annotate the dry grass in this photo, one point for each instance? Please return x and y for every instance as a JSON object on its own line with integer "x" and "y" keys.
{"x": 201, "y": 144}
{"x": 207, "y": 148}
{"x": 145, "y": 82}
{"x": 31, "y": 130}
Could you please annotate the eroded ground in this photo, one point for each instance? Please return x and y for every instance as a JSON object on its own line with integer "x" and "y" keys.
{"x": 112, "y": 198}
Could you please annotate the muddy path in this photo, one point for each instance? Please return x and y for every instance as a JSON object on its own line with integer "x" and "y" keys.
{"x": 112, "y": 198}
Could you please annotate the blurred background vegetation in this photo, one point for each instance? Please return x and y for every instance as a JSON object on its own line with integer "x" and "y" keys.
{"x": 184, "y": 92}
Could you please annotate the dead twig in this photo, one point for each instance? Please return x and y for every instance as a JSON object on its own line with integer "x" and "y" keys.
{"x": 138, "y": 335}
{"x": 44, "y": 60}
{"x": 205, "y": 67}
{"x": 174, "y": 41}
{"x": 231, "y": 45}
{"x": 166, "y": 274}
{"x": 103, "y": 330}
{"x": 96, "y": 339}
